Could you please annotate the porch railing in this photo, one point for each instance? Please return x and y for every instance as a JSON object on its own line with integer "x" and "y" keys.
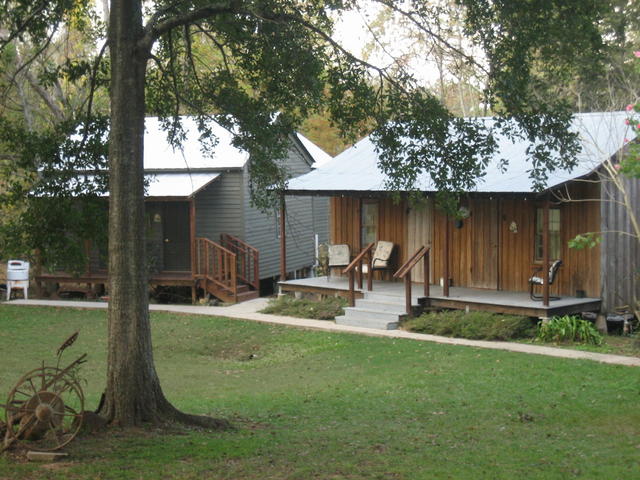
{"x": 217, "y": 266}
{"x": 357, "y": 262}
{"x": 247, "y": 259}
{"x": 405, "y": 272}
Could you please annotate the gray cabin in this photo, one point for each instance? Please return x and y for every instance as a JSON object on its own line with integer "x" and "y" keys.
{"x": 203, "y": 231}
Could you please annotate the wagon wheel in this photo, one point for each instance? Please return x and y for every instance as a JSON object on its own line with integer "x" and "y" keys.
{"x": 45, "y": 408}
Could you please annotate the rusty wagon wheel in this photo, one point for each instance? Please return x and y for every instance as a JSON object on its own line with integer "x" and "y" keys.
{"x": 44, "y": 409}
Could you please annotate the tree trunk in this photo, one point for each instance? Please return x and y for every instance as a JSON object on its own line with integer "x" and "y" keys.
{"x": 133, "y": 394}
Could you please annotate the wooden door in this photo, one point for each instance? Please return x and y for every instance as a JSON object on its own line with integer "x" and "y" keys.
{"x": 175, "y": 236}
{"x": 420, "y": 233}
{"x": 484, "y": 243}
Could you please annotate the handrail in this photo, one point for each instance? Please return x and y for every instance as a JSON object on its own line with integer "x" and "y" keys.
{"x": 350, "y": 270}
{"x": 358, "y": 258}
{"x": 218, "y": 266}
{"x": 409, "y": 264}
{"x": 248, "y": 258}
{"x": 405, "y": 272}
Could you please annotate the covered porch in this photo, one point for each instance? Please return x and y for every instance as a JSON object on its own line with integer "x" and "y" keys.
{"x": 498, "y": 301}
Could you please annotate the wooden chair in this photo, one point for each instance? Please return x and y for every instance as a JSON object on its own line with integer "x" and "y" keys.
{"x": 536, "y": 280}
{"x": 381, "y": 257}
{"x": 339, "y": 256}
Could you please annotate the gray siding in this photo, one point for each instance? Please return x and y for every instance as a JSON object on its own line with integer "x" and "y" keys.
{"x": 321, "y": 218}
{"x": 262, "y": 230}
{"x": 219, "y": 207}
{"x": 620, "y": 253}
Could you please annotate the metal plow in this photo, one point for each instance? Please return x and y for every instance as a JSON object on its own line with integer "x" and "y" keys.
{"x": 44, "y": 409}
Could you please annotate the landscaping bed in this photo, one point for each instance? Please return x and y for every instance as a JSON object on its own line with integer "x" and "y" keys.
{"x": 327, "y": 308}
{"x": 477, "y": 325}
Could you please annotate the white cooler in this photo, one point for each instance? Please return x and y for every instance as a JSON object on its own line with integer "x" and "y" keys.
{"x": 17, "y": 276}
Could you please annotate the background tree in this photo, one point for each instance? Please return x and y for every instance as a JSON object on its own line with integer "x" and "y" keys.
{"x": 277, "y": 64}
{"x": 45, "y": 87}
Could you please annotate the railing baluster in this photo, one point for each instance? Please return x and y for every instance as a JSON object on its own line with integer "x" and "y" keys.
{"x": 350, "y": 270}
{"x": 426, "y": 274}
{"x": 407, "y": 293}
{"x": 405, "y": 272}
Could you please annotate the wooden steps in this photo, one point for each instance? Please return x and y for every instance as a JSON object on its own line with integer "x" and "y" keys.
{"x": 227, "y": 270}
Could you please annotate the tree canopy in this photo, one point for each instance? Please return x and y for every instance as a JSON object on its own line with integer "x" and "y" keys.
{"x": 259, "y": 68}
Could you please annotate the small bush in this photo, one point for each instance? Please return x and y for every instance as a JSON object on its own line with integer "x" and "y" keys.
{"x": 325, "y": 309}
{"x": 568, "y": 329}
{"x": 473, "y": 325}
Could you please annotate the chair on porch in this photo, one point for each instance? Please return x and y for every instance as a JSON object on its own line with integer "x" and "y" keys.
{"x": 339, "y": 256}
{"x": 537, "y": 280}
{"x": 381, "y": 257}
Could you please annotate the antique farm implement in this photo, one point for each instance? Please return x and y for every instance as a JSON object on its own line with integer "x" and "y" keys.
{"x": 44, "y": 409}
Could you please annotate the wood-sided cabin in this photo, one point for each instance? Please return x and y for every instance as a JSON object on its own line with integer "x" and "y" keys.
{"x": 501, "y": 242}
{"x": 203, "y": 232}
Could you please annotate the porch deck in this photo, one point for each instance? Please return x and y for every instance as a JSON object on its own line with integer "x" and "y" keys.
{"x": 89, "y": 282}
{"x": 499, "y": 301}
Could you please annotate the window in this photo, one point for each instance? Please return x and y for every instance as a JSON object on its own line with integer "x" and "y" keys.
{"x": 555, "y": 244}
{"x": 369, "y": 222}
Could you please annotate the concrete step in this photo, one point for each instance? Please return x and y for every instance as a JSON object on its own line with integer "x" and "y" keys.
{"x": 357, "y": 312}
{"x": 390, "y": 298}
{"x": 395, "y": 307}
{"x": 366, "y": 323}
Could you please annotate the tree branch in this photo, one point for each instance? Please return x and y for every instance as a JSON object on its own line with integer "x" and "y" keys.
{"x": 156, "y": 28}
{"x": 45, "y": 96}
{"x": 283, "y": 17}
{"x": 411, "y": 17}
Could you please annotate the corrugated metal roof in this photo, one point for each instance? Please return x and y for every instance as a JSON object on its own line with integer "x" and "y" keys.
{"x": 159, "y": 154}
{"x": 179, "y": 185}
{"x": 320, "y": 157}
{"x": 356, "y": 169}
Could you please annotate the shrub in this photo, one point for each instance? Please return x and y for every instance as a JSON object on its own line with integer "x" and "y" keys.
{"x": 325, "y": 309}
{"x": 568, "y": 329}
{"x": 473, "y": 325}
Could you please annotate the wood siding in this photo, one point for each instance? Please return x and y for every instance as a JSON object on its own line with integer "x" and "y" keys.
{"x": 620, "y": 253}
{"x": 484, "y": 251}
{"x": 344, "y": 224}
{"x": 420, "y": 233}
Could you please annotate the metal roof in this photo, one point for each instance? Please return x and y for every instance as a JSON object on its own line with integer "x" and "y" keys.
{"x": 320, "y": 157}
{"x": 178, "y": 185}
{"x": 160, "y": 154}
{"x": 601, "y": 135}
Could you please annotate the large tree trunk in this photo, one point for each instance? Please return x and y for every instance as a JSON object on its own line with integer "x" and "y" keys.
{"x": 133, "y": 394}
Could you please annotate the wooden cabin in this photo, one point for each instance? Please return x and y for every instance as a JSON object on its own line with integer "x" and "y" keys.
{"x": 203, "y": 231}
{"x": 500, "y": 242}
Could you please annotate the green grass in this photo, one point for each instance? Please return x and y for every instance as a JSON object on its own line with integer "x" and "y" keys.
{"x": 317, "y": 405}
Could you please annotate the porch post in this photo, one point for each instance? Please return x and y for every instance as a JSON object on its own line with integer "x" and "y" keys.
{"x": 283, "y": 240}
{"x": 192, "y": 246}
{"x": 445, "y": 253}
{"x": 545, "y": 252}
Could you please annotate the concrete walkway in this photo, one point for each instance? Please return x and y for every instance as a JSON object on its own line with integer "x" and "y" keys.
{"x": 250, "y": 311}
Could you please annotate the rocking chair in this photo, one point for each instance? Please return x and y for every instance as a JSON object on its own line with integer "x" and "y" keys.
{"x": 381, "y": 257}
{"x": 536, "y": 280}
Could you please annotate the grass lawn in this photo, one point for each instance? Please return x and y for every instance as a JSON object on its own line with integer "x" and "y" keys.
{"x": 315, "y": 405}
